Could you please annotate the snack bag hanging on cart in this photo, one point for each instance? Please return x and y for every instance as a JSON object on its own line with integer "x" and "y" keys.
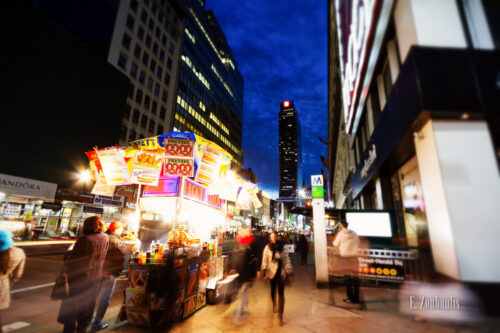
{"x": 113, "y": 164}
{"x": 209, "y": 169}
{"x": 147, "y": 166}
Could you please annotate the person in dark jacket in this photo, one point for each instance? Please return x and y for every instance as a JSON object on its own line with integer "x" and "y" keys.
{"x": 303, "y": 247}
{"x": 244, "y": 262}
{"x": 83, "y": 265}
{"x": 113, "y": 266}
{"x": 260, "y": 244}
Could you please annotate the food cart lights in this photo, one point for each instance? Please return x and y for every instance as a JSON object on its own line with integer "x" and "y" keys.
{"x": 84, "y": 176}
{"x": 133, "y": 221}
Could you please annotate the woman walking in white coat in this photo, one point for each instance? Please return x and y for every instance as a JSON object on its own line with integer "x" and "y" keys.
{"x": 277, "y": 267}
{"x": 12, "y": 261}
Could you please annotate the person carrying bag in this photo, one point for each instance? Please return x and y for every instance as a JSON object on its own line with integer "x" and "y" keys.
{"x": 277, "y": 267}
{"x": 61, "y": 288}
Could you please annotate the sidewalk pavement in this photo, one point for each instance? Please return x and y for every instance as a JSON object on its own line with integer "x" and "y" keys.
{"x": 308, "y": 309}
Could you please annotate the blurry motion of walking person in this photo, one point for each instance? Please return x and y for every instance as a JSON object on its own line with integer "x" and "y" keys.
{"x": 303, "y": 247}
{"x": 83, "y": 265}
{"x": 348, "y": 243}
{"x": 113, "y": 266}
{"x": 277, "y": 267}
{"x": 12, "y": 261}
{"x": 244, "y": 261}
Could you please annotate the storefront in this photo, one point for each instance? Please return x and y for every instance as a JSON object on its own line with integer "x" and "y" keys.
{"x": 431, "y": 158}
{"x": 414, "y": 110}
{"x": 20, "y": 201}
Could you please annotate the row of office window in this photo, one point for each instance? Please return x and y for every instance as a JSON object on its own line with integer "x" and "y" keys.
{"x": 201, "y": 119}
{"x": 130, "y": 134}
{"x": 182, "y": 124}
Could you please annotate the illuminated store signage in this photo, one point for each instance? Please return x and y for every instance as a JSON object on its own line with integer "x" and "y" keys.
{"x": 356, "y": 28}
{"x": 166, "y": 187}
{"x": 368, "y": 162}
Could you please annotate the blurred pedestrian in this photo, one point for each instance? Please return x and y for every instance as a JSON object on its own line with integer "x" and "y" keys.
{"x": 348, "y": 243}
{"x": 12, "y": 261}
{"x": 83, "y": 265}
{"x": 113, "y": 266}
{"x": 303, "y": 248}
{"x": 286, "y": 238}
{"x": 277, "y": 267}
{"x": 260, "y": 244}
{"x": 244, "y": 262}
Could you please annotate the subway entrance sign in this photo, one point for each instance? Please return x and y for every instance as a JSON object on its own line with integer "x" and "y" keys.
{"x": 317, "y": 186}
{"x": 318, "y": 192}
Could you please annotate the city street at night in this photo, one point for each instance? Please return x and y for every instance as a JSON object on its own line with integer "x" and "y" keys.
{"x": 249, "y": 166}
{"x": 307, "y": 309}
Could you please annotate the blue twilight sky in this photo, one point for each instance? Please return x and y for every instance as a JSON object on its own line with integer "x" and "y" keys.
{"x": 281, "y": 50}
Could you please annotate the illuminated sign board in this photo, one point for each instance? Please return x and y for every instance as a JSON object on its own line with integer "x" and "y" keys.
{"x": 171, "y": 187}
{"x": 317, "y": 186}
{"x": 166, "y": 187}
{"x": 193, "y": 190}
{"x": 357, "y": 25}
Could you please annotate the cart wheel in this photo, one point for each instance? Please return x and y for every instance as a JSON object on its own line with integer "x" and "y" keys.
{"x": 211, "y": 299}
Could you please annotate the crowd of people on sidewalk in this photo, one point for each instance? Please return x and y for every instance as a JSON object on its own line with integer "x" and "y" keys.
{"x": 92, "y": 264}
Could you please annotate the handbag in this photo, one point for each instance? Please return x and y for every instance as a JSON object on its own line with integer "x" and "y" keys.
{"x": 61, "y": 287}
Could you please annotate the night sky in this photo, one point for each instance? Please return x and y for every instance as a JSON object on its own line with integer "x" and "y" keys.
{"x": 281, "y": 50}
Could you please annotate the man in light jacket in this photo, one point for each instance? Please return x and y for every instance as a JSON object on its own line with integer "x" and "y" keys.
{"x": 348, "y": 243}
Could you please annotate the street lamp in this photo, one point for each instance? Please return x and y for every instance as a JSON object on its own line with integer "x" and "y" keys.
{"x": 84, "y": 176}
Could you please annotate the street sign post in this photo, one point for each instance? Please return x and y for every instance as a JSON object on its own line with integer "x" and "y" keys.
{"x": 320, "y": 253}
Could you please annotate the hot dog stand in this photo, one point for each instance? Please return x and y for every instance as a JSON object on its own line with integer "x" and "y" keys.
{"x": 179, "y": 218}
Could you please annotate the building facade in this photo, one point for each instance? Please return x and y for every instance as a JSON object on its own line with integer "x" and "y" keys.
{"x": 414, "y": 127}
{"x": 209, "y": 98}
{"x": 146, "y": 46}
{"x": 290, "y": 151}
{"x": 143, "y": 40}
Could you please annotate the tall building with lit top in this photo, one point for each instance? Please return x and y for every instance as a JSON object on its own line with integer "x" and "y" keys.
{"x": 210, "y": 90}
{"x": 290, "y": 151}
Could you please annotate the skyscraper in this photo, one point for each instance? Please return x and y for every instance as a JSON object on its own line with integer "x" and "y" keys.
{"x": 143, "y": 40}
{"x": 290, "y": 151}
{"x": 182, "y": 74}
{"x": 210, "y": 91}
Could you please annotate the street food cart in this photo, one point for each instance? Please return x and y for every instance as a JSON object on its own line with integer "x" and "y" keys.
{"x": 181, "y": 251}
{"x": 183, "y": 182}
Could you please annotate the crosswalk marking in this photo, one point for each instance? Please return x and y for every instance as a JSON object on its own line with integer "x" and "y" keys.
{"x": 15, "y": 326}
{"x": 15, "y": 291}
